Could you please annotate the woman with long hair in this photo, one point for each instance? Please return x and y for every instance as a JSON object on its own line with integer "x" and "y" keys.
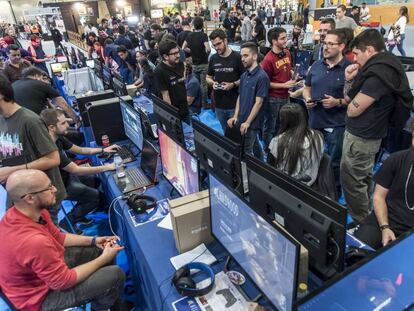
{"x": 297, "y": 150}
{"x": 148, "y": 81}
{"x": 259, "y": 32}
{"x": 397, "y": 33}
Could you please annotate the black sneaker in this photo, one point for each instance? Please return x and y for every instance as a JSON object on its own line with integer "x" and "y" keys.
{"x": 83, "y": 221}
{"x": 64, "y": 225}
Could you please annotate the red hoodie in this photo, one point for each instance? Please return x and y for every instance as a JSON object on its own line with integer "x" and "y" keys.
{"x": 32, "y": 259}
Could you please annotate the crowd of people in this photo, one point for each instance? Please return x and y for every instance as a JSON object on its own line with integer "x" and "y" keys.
{"x": 353, "y": 93}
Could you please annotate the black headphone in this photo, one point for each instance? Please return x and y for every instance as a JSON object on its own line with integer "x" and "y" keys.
{"x": 184, "y": 283}
{"x": 141, "y": 203}
{"x": 280, "y": 54}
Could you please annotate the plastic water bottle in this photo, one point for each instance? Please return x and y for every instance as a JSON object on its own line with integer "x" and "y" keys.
{"x": 120, "y": 171}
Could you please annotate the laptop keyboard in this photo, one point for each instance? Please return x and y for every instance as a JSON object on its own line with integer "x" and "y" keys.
{"x": 126, "y": 154}
{"x": 137, "y": 177}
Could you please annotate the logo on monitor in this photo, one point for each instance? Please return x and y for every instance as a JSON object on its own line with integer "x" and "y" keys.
{"x": 226, "y": 201}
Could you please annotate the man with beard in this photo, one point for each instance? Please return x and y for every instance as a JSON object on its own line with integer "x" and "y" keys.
{"x": 295, "y": 39}
{"x": 170, "y": 77}
{"x": 254, "y": 89}
{"x": 326, "y": 25}
{"x": 224, "y": 71}
{"x": 325, "y": 101}
{"x": 45, "y": 269}
{"x": 15, "y": 65}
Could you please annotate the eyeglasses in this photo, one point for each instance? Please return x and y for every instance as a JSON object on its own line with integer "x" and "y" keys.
{"x": 49, "y": 188}
{"x": 331, "y": 44}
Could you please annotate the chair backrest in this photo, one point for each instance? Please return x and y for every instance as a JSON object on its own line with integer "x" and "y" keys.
{"x": 5, "y": 303}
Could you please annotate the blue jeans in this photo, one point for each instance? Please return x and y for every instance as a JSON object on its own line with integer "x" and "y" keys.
{"x": 271, "y": 118}
{"x": 399, "y": 46}
{"x": 252, "y": 145}
{"x": 223, "y": 115}
{"x": 333, "y": 147}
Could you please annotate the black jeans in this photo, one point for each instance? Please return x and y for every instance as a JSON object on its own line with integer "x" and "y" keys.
{"x": 101, "y": 289}
{"x": 82, "y": 191}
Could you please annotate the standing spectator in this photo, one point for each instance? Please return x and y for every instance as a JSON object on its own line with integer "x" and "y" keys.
{"x": 364, "y": 14}
{"x": 306, "y": 16}
{"x": 177, "y": 28}
{"x": 150, "y": 34}
{"x": 123, "y": 39}
{"x": 377, "y": 91}
{"x": 197, "y": 44}
{"x": 355, "y": 14}
{"x": 246, "y": 27}
{"x": 278, "y": 66}
{"x": 90, "y": 40}
{"x": 193, "y": 88}
{"x": 231, "y": 23}
{"x": 343, "y": 21}
{"x": 259, "y": 32}
{"x": 224, "y": 71}
{"x": 398, "y": 29}
{"x": 269, "y": 13}
{"x": 147, "y": 83}
{"x": 56, "y": 37}
{"x": 127, "y": 64}
{"x": 325, "y": 101}
{"x": 254, "y": 89}
{"x": 170, "y": 77}
{"x": 39, "y": 56}
{"x": 111, "y": 54}
{"x": 325, "y": 26}
{"x": 262, "y": 14}
{"x": 278, "y": 16}
{"x": 207, "y": 14}
{"x": 26, "y": 143}
{"x": 216, "y": 15}
{"x": 223, "y": 15}
{"x": 295, "y": 39}
{"x": 182, "y": 36}
{"x": 15, "y": 65}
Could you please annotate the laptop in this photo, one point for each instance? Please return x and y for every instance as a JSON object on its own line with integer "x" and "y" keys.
{"x": 143, "y": 176}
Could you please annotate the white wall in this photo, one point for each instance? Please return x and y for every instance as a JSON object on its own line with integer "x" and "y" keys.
{"x": 5, "y": 12}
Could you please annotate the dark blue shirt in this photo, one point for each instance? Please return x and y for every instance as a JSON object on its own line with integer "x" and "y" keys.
{"x": 193, "y": 88}
{"x": 111, "y": 51}
{"x": 124, "y": 70}
{"x": 330, "y": 81}
{"x": 253, "y": 84}
{"x": 122, "y": 40}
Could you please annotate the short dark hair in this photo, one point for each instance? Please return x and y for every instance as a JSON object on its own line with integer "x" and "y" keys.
{"x": 348, "y": 34}
{"x": 122, "y": 49}
{"x": 6, "y": 89}
{"x": 32, "y": 71}
{"x": 298, "y": 23}
{"x": 166, "y": 20}
{"x": 177, "y": 21}
{"x": 121, "y": 29}
{"x": 185, "y": 23}
{"x": 355, "y": 7}
{"x": 50, "y": 116}
{"x": 92, "y": 34}
{"x": 329, "y": 21}
{"x": 218, "y": 33}
{"x": 274, "y": 33}
{"x": 363, "y": 3}
{"x": 251, "y": 46}
{"x": 109, "y": 41}
{"x": 369, "y": 37}
{"x": 342, "y": 7}
{"x": 341, "y": 34}
{"x": 166, "y": 46}
{"x": 198, "y": 22}
{"x": 156, "y": 27}
{"x": 12, "y": 47}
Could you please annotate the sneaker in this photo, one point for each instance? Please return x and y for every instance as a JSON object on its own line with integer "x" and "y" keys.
{"x": 64, "y": 225}
{"x": 83, "y": 221}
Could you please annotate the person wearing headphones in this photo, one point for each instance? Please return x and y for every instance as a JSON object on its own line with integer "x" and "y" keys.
{"x": 278, "y": 66}
{"x": 393, "y": 200}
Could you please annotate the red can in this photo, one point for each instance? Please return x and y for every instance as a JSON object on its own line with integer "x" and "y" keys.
{"x": 105, "y": 140}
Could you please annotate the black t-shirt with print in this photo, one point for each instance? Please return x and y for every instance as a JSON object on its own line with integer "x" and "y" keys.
{"x": 226, "y": 69}
{"x": 172, "y": 79}
{"x": 64, "y": 144}
{"x": 195, "y": 41}
{"x": 393, "y": 175}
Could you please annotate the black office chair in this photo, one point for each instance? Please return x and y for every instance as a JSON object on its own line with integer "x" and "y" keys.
{"x": 7, "y": 301}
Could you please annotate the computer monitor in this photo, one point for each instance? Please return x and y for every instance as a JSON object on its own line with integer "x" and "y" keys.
{"x": 97, "y": 67}
{"x": 58, "y": 67}
{"x": 118, "y": 85}
{"x": 132, "y": 124}
{"x": 149, "y": 160}
{"x": 107, "y": 77}
{"x": 179, "y": 167}
{"x": 81, "y": 57}
{"x": 219, "y": 155}
{"x": 267, "y": 254}
{"x": 315, "y": 221}
{"x": 384, "y": 281}
{"x": 168, "y": 119}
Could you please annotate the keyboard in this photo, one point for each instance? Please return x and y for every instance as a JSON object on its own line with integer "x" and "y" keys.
{"x": 137, "y": 178}
{"x": 126, "y": 154}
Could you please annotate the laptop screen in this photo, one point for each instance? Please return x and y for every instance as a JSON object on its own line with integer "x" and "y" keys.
{"x": 149, "y": 160}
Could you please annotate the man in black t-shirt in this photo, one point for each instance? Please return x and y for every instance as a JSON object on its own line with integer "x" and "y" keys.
{"x": 393, "y": 201}
{"x": 182, "y": 36}
{"x": 197, "y": 44}
{"x": 150, "y": 34}
{"x": 224, "y": 71}
{"x": 170, "y": 77}
{"x": 78, "y": 180}
{"x": 375, "y": 87}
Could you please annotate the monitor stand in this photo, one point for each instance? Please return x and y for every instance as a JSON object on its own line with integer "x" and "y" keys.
{"x": 242, "y": 292}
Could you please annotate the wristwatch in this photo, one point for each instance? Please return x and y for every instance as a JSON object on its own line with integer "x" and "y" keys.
{"x": 383, "y": 227}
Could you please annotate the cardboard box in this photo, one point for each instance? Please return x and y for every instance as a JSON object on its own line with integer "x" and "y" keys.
{"x": 187, "y": 199}
{"x": 191, "y": 224}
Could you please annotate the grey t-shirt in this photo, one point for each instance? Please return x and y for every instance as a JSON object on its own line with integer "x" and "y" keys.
{"x": 23, "y": 139}
{"x": 347, "y": 22}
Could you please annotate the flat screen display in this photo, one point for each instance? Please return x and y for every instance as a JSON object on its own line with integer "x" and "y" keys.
{"x": 178, "y": 165}
{"x": 132, "y": 124}
{"x": 386, "y": 282}
{"x": 106, "y": 75}
{"x": 149, "y": 160}
{"x": 266, "y": 254}
{"x": 119, "y": 87}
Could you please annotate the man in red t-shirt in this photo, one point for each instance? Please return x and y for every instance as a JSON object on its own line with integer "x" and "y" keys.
{"x": 42, "y": 268}
{"x": 278, "y": 66}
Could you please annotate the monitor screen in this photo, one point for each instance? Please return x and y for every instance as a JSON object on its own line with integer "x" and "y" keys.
{"x": 132, "y": 124}
{"x": 149, "y": 160}
{"x": 119, "y": 87}
{"x": 265, "y": 253}
{"x": 107, "y": 76}
{"x": 178, "y": 165}
{"x": 386, "y": 282}
{"x": 59, "y": 67}
{"x": 97, "y": 68}
{"x": 81, "y": 57}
